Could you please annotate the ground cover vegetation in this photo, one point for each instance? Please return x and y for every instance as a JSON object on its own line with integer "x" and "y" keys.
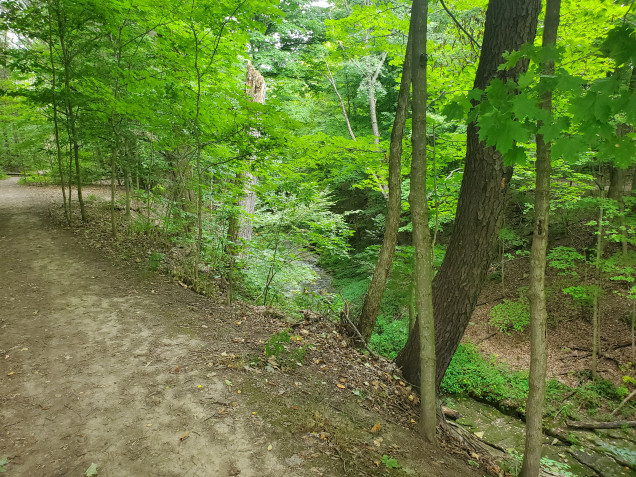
{"x": 374, "y": 165}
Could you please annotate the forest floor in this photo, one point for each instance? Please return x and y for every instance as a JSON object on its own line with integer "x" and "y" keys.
{"x": 569, "y": 330}
{"x": 105, "y": 363}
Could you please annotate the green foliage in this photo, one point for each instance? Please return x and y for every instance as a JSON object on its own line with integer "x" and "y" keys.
{"x": 583, "y": 294}
{"x": 389, "y": 336}
{"x": 470, "y": 374}
{"x": 510, "y": 315}
{"x": 4, "y": 461}
{"x": 278, "y": 346}
{"x": 564, "y": 259}
{"x": 390, "y": 463}
{"x": 154, "y": 261}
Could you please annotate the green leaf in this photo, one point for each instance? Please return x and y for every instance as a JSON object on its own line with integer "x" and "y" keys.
{"x": 569, "y": 148}
{"x": 620, "y": 45}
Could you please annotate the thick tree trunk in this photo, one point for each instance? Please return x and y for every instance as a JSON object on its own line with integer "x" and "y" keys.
{"x": 373, "y": 298}
{"x": 509, "y": 24}
{"x": 421, "y": 231}
{"x": 538, "y": 314}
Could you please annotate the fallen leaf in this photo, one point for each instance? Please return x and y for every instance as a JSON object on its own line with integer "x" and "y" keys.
{"x": 341, "y": 386}
{"x": 343, "y": 380}
{"x": 228, "y": 382}
{"x": 11, "y": 373}
{"x": 6, "y": 356}
{"x": 480, "y": 434}
{"x": 91, "y": 471}
{"x": 376, "y": 427}
{"x": 185, "y": 435}
{"x": 269, "y": 447}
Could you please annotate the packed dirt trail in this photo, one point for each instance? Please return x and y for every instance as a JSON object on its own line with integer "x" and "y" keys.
{"x": 86, "y": 365}
{"x": 101, "y": 364}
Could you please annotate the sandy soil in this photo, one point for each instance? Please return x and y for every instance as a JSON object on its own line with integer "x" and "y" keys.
{"x": 100, "y": 363}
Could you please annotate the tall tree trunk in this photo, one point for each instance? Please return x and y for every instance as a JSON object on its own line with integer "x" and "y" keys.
{"x": 596, "y": 317}
{"x": 240, "y": 228}
{"x": 421, "y": 232}
{"x": 58, "y": 148}
{"x": 538, "y": 313}
{"x": 70, "y": 111}
{"x": 509, "y": 24}
{"x": 373, "y": 298}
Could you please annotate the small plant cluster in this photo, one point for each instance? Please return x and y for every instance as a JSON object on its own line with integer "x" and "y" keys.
{"x": 510, "y": 315}
{"x": 278, "y": 347}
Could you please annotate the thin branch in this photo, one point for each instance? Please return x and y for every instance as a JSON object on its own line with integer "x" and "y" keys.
{"x": 459, "y": 24}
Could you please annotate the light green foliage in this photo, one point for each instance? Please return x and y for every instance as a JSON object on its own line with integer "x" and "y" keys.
{"x": 4, "y": 461}
{"x": 390, "y": 463}
{"x": 279, "y": 347}
{"x": 583, "y": 294}
{"x": 510, "y": 315}
{"x": 286, "y": 228}
{"x": 565, "y": 259}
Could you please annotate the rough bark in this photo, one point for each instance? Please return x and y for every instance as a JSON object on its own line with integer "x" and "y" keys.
{"x": 373, "y": 298}
{"x": 538, "y": 314}
{"x": 421, "y": 232}
{"x": 509, "y": 24}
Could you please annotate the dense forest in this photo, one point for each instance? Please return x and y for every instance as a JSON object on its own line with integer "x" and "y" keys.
{"x": 390, "y": 165}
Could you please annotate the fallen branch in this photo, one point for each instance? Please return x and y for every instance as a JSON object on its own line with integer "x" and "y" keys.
{"x": 601, "y": 425}
{"x": 633, "y": 393}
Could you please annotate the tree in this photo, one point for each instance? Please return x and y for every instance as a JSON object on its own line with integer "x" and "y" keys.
{"x": 421, "y": 232}
{"x": 509, "y": 24}
{"x": 538, "y": 313}
{"x": 373, "y": 297}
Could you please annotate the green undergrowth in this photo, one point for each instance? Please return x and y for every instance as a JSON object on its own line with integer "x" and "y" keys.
{"x": 470, "y": 374}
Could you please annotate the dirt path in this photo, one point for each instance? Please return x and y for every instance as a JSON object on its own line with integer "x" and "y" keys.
{"x": 140, "y": 377}
{"x": 88, "y": 366}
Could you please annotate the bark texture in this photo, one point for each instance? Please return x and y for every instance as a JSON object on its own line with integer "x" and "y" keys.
{"x": 509, "y": 24}
{"x": 373, "y": 298}
{"x": 538, "y": 314}
{"x": 421, "y": 231}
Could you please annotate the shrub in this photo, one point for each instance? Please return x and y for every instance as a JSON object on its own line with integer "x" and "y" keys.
{"x": 509, "y": 316}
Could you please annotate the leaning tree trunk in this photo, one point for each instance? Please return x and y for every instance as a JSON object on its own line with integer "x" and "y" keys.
{"x": 373, "y": 298}
{"x": 538, "y": 313}
{"x": 509, "y": 24}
